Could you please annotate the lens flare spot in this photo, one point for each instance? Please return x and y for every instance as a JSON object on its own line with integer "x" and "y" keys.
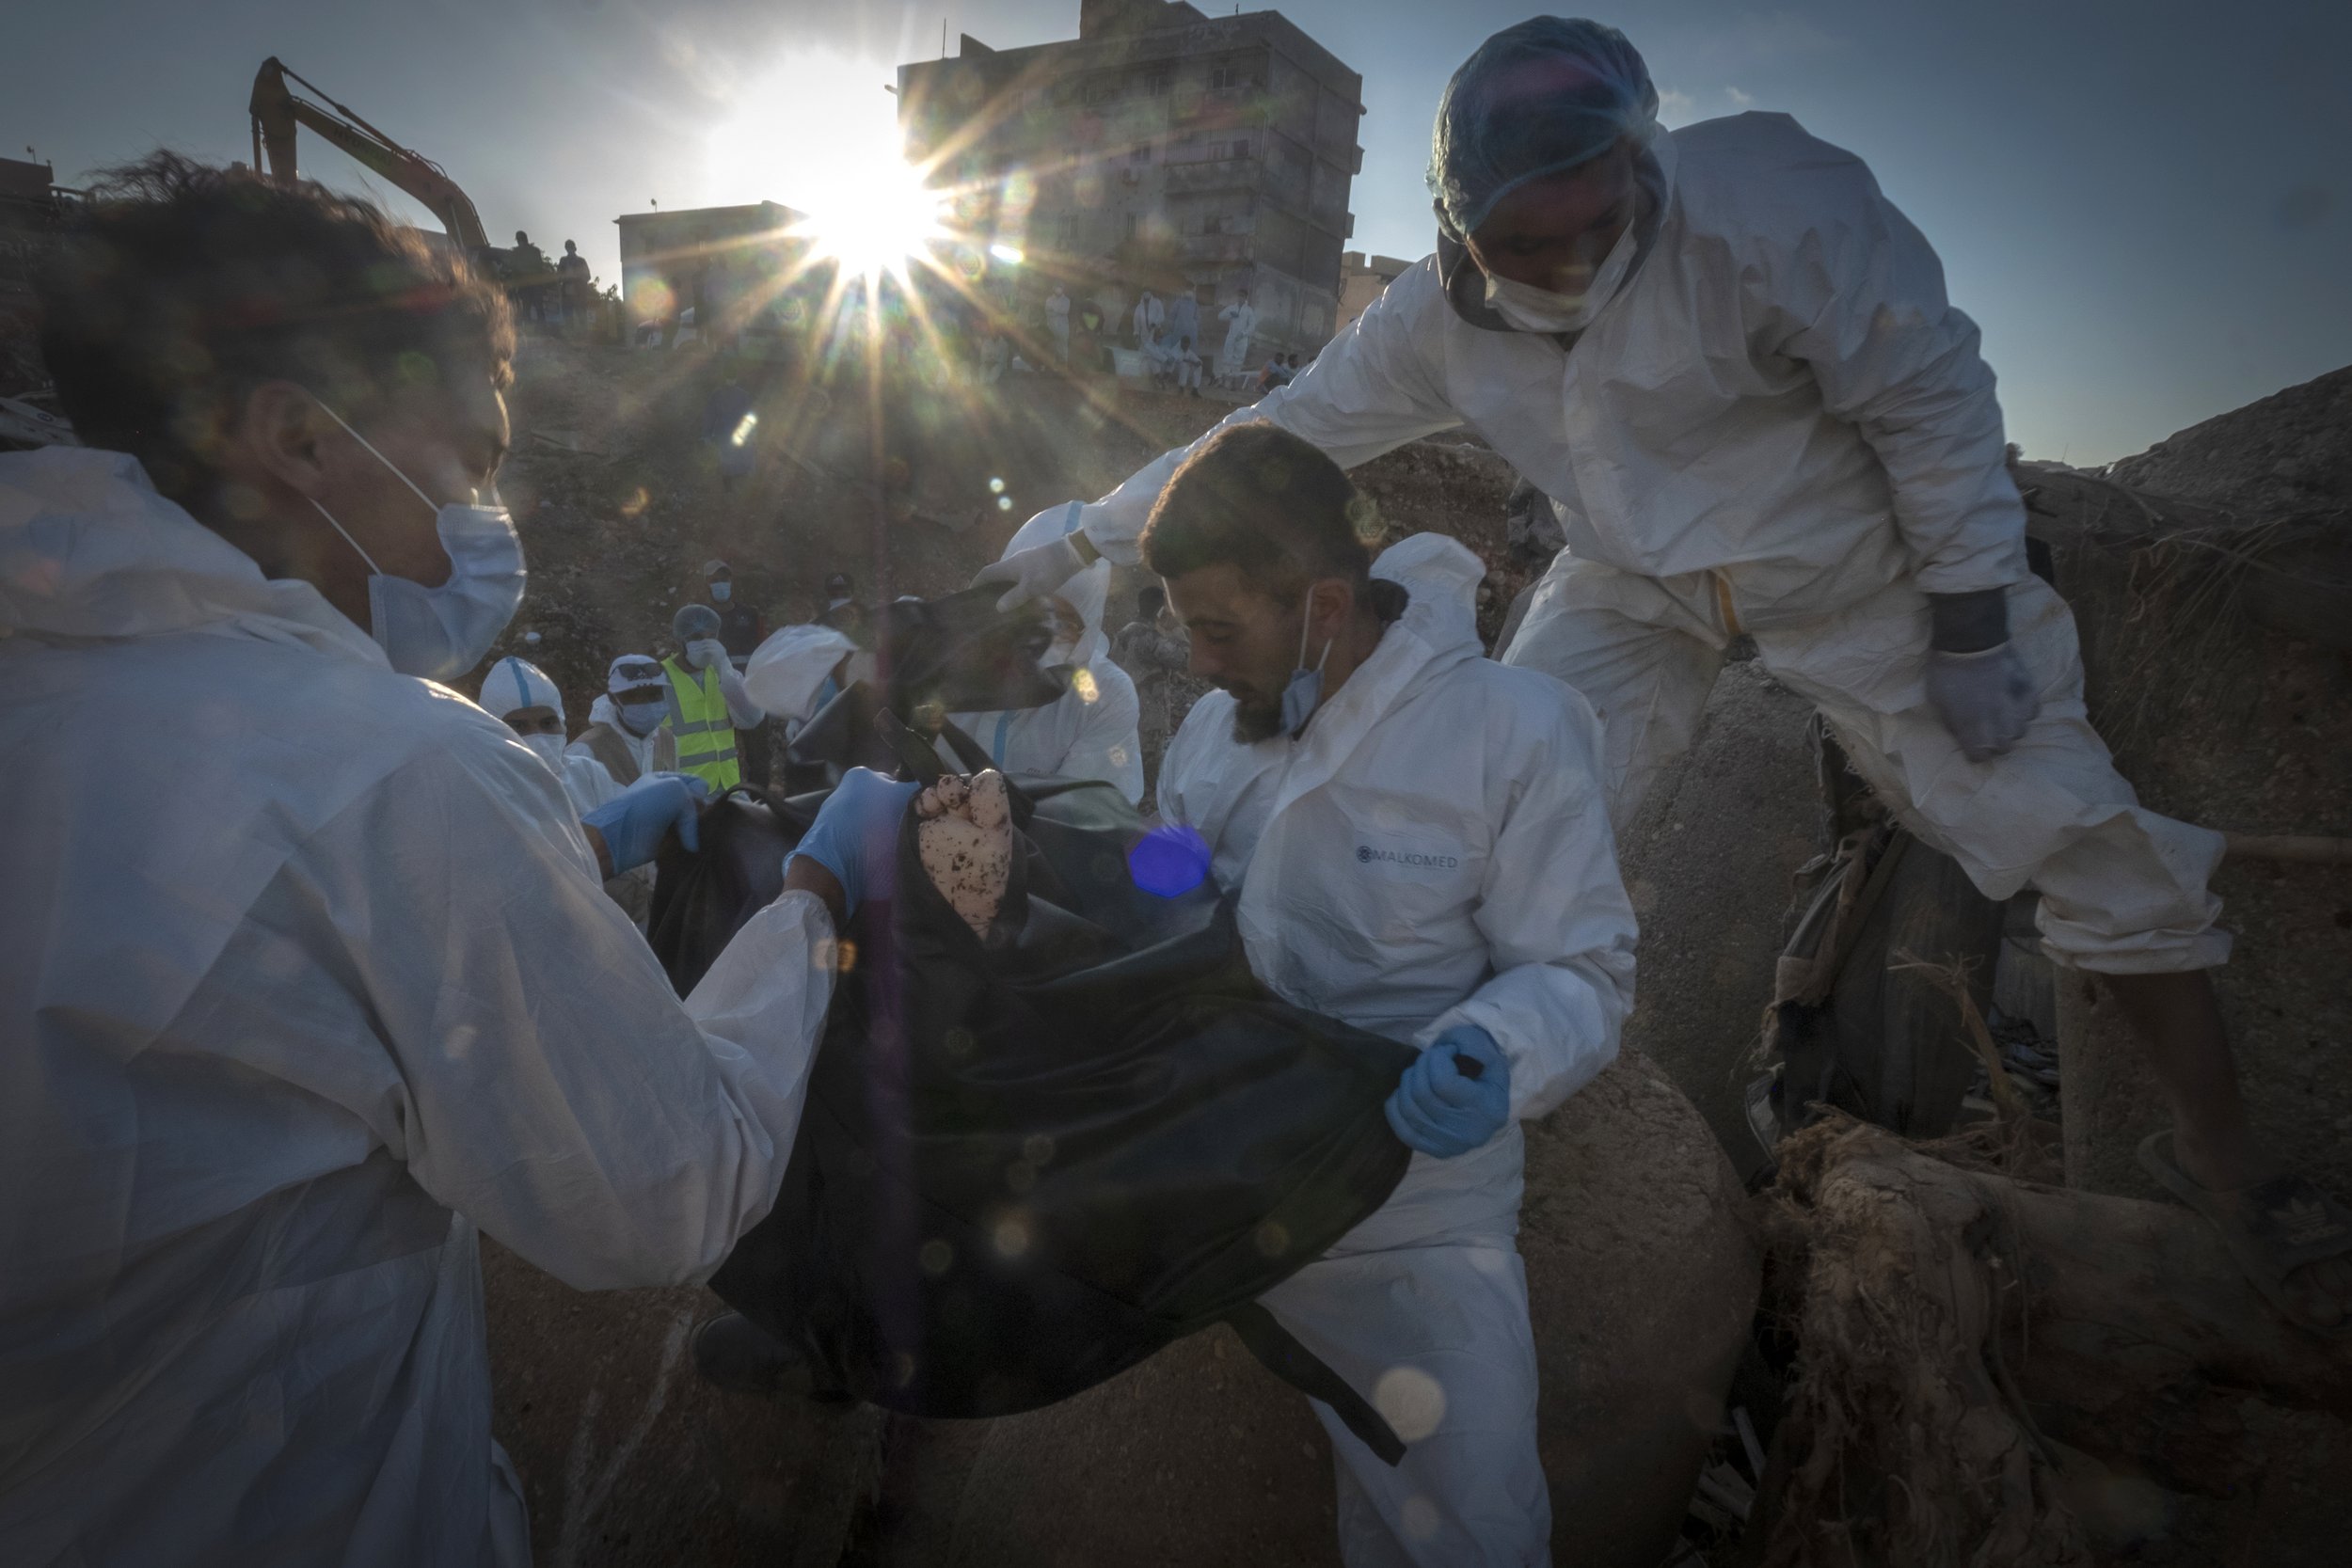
{"x": 1082, "y": 681}
{"x": 1170, "y": 860}
{"x": 1010, "y": 1236}
{"x": 1411, "y": 1401}
{"x": 1011, "y": 254}
{"x": 996, "y": 486}
{"x": 1003, "y": 503}
{"x": 936, "y": 1257}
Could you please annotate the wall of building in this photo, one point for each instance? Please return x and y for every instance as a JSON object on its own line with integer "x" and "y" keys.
{"x": 731, "y": 264}
{"x": 1161, "y": 148}
{"x": 1364, "y": 279}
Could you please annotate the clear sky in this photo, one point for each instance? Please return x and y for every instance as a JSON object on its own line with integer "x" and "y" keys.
{"x": 2147, "y": 204}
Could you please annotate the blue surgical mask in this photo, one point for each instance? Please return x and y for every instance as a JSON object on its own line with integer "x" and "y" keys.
{"x": 641, "y": 719}
{"x": 1303, "y": 693}
{"x": 441, "y": 633}
{"x": 718, "y": 592}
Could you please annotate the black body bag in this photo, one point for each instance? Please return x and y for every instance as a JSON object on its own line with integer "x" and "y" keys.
{"x": 1029, "y": 1161}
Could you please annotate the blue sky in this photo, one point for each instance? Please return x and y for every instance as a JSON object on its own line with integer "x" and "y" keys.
{"x": 2147, "y": 204}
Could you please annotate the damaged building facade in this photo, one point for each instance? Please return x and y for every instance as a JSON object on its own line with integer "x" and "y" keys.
{"x": 746, "y": 272}
{"x": 1160, "y": 149}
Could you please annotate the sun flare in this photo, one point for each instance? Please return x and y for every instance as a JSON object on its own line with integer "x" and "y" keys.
{"x": 886, "y": 220}
{"x": 817, "y": 133}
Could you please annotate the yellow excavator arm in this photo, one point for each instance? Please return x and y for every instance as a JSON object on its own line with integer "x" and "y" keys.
{"x": 277, "y": 112}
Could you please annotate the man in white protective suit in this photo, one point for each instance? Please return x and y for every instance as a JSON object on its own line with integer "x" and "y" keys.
{"x": 1729, "y": 362}
{"x": 520, "y": 695}
{"x": 1092, "y": 731}
{"x": 1241, "y": 324}
{"x": 1418, "y": 840}
{"x": 305, "y": 971}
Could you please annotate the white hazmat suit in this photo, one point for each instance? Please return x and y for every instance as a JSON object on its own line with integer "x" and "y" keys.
{"x": 1777, "y": 424}
{"x": 1241, "y": 324}
{"x": 305, "y": 975}
{"x": 1434, "y": 852}
{"x": 1092, "y": 731}
{"x": 512, "y": 685}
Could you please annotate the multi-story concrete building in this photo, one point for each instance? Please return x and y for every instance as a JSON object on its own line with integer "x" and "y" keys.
{"x": 1161, "y": 148}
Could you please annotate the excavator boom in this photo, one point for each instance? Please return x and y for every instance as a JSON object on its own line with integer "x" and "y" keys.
{"x": 277, "y": 112}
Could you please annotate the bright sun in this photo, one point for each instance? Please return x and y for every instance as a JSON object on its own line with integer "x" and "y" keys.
{"x": 877, "y": 226}
{"x": 817, "y": 133}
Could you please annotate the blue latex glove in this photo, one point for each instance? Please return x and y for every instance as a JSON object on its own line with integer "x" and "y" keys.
{"x": 1986, "y": 699}
{"x": 633, "y": 823}
{"x": 1440, "y": 1109}
{"x": 855, "y": 835}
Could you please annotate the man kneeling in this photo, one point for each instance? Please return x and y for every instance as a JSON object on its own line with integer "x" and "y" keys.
{"x": 1419, "y": 843}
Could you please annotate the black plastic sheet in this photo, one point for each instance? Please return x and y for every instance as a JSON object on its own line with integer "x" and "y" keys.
{"x": 1030, "y": 1159}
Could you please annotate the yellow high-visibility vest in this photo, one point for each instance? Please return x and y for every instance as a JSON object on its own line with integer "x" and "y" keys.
{"x": 704, "y": 728}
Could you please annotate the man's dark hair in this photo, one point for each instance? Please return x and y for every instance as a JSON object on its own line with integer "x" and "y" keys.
{"x": 1151, "y": 599}
{"x": 181, "y": 287}
{"x": 1261, "y": 499}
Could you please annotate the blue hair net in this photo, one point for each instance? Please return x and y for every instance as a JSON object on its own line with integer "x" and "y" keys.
{"x": 1535, "y": 100}
{"x": 694, "y": 623}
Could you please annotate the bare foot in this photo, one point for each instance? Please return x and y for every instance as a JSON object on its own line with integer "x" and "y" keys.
{"x": 964, "y": 830}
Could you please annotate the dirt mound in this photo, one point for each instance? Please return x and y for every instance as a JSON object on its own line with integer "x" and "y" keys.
{"x": 2291, "y": 451}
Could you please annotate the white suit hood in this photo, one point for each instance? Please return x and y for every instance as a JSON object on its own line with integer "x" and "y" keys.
{"x": 1442, "y": 575}
{"x": 514, "y": 683}
{"x": 87, "y": 549}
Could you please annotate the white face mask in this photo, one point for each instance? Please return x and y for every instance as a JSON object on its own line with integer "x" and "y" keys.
{"x": 1533, "y": 310}
{"x": 549, "y": 747}
{"x": 718, "y": 592}
{"x": 641, "y": 719}
{"x": 441, "y": 633}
